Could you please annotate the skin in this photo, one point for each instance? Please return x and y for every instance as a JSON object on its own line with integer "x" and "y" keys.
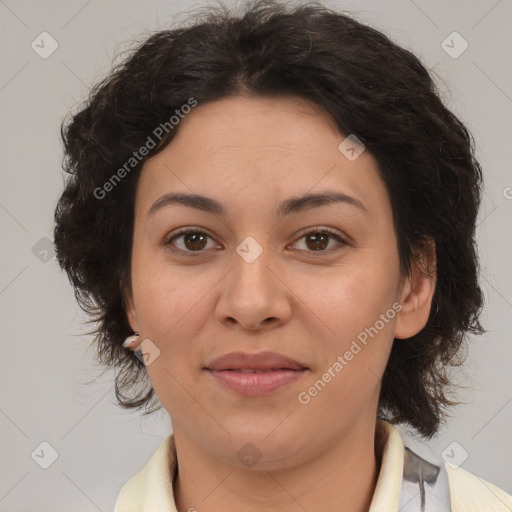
{"x": 250, "y": 153}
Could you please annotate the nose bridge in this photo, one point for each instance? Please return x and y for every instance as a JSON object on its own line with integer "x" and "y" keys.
{"x": 251, "y": 261}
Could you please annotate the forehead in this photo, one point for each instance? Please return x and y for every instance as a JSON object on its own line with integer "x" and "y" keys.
{"x": 258, "y": 149}
{"x": 250, "y": 122}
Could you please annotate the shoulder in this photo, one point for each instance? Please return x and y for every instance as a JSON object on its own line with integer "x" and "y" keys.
{"x": 151, "y": 488}
{"x": 471, "y": 493}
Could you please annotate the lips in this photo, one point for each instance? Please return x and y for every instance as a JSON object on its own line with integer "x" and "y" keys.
{"x": 261, "y": 362}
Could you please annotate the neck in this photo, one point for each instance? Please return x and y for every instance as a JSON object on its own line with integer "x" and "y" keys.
{"x": 342, "y": 477}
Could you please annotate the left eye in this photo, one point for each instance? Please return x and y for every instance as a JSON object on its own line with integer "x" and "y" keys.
{"x": 318, "y": 239}
{"x": 194, "y": 241}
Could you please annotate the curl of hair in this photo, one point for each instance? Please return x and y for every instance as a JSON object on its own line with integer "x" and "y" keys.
{"x": 368, "y": 85}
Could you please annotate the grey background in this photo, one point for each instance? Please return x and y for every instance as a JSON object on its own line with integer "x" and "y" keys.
{"x": 47, "y": 363}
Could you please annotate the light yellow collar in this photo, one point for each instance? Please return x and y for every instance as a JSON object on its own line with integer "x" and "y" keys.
{"x": 151, "y": 489}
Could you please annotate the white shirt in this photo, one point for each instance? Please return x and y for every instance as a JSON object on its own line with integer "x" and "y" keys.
{"x": 150, "y": 490}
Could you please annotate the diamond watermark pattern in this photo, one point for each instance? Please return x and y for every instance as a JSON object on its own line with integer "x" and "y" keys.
{"x": 454, "y": 454}
{"x": 249, "y": 249}
{"x": 454, "y": 45}
{"x": 43, "y": 250}
{"x": 351, "y": 147}
{"x": 148, "y": 352}
{"x": 45, "y": 455}
{"x": 249, "y": 455}
{"x": 44, "y": 45}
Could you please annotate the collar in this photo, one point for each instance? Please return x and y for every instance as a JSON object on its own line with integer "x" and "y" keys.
{"x": 403, "y": 475}
{"x": 400, "y": 485}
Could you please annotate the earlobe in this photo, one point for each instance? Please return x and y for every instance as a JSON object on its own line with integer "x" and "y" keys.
{"x": 417, "y": 293}
{"x": 132, "y": 342}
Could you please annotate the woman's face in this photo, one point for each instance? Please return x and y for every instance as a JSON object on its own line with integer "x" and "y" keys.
{"x": 262, "y": 277}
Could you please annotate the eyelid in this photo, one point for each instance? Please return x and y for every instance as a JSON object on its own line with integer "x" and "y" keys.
{"x": 319, "y": 229}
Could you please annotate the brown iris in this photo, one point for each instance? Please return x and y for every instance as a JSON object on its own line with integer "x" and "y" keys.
{"x": 194, "y": 241}
{"x": 318, "y": 241}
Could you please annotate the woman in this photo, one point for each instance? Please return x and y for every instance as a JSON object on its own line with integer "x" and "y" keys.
{"x": 272, "y": 219}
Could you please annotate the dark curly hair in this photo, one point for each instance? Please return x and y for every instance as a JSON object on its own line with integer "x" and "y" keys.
{"x": 370, "y": 87}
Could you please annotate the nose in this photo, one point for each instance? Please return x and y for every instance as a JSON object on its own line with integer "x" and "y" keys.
{"x": 254, "y": 296}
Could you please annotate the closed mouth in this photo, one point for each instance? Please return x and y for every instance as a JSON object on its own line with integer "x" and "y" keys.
{"x": 253, "y": 370}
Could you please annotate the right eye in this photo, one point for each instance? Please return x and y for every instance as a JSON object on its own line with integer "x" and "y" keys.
{"x": 191, "y": 241}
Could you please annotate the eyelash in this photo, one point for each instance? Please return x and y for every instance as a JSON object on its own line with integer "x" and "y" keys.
{"x": 314, "y": 230}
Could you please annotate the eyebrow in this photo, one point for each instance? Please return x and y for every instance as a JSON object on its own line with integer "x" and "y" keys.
{"x": 288, "y": 206}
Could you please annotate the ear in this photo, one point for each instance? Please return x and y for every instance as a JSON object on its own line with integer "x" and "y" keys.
{"x": 131, "y": 315}
{"x": 417, "y": 292}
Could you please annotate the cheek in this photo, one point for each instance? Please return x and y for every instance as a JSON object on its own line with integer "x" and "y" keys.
{"x": 170, "y": 301}
{"x": 172, "y": 309}
{"x": 356, "y": 310}
{"x": 353, "y": 308}
{"x": 348, "y": 299}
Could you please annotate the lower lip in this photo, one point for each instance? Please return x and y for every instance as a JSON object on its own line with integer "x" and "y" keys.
{"x": 255, "y": 384}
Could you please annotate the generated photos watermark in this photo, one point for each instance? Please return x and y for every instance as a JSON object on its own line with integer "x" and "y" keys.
{"x": 137, "y": 156}
{"x": 304, "y": 397}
